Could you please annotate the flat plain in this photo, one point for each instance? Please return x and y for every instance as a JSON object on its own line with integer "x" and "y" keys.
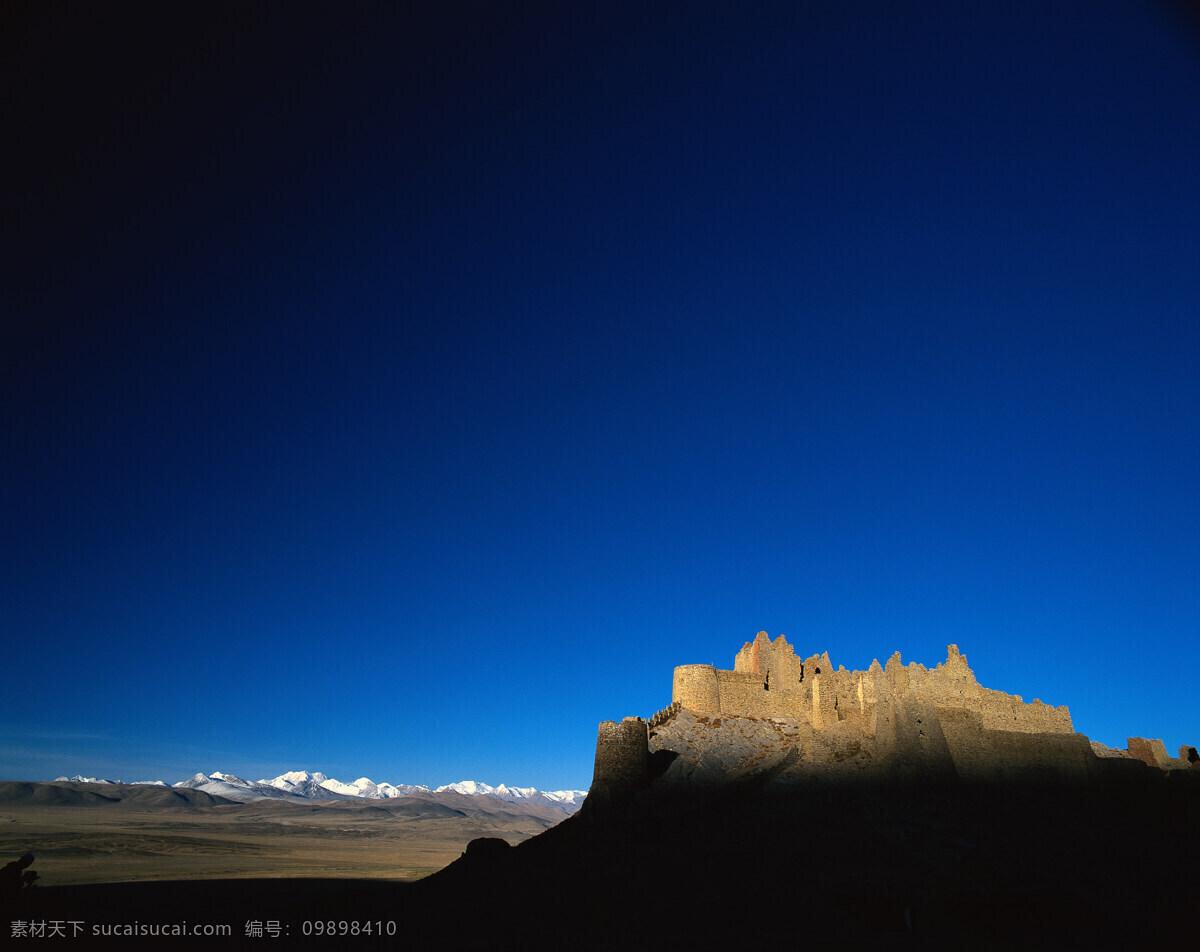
{"x": 92, "y": 833}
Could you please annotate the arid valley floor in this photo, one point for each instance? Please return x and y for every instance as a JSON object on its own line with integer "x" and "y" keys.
{"x": 91, "y": 833}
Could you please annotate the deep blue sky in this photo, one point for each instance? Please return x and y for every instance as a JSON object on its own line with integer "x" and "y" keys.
{"x": 402, "y": 395}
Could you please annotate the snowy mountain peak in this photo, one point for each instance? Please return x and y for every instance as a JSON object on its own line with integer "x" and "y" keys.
{"x": 305, "y": 786}
{"x": 566, "y": 800}
{"x": 522, "y": 792}
{"x": 470, "y": 788}
{"x": 295, "y": 777}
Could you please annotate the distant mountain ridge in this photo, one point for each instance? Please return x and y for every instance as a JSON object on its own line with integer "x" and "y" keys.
{"x": 305, "y": 786}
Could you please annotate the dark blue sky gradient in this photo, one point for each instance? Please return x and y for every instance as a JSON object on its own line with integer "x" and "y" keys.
{"x": 401, "y": 394}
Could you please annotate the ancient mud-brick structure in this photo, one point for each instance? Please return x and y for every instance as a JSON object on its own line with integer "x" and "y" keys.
{"x": 890, "y": 720}
{"x": 621, "y": 754}
{"x": 769, "y": 680}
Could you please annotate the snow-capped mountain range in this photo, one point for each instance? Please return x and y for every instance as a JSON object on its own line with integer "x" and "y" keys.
{"x": 302, "y": 785}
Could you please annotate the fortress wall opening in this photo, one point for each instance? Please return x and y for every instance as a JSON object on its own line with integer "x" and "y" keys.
{"x": 745, "y": 694}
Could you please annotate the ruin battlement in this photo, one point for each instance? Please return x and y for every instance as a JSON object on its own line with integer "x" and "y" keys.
{"x": 810, "y": 720}
{"x": 770, "y": 680}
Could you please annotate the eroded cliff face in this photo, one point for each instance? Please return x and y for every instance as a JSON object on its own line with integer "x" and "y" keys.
{"x": 698, "y": 750}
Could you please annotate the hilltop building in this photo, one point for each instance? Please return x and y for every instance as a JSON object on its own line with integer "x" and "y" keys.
{"x": 804, "y": 720}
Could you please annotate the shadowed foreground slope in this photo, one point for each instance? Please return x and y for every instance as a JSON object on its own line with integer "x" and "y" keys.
{"x": 872, "y": 865}
{"x": 952, "y": 862}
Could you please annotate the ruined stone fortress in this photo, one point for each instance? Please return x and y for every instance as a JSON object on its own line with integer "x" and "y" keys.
{"x": 803, "y": 720}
